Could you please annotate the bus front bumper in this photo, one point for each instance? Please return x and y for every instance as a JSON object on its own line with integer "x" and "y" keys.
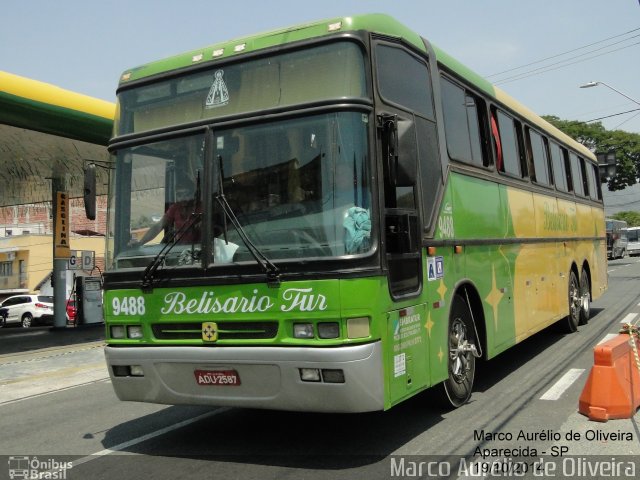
{"x": 253, "y": 377}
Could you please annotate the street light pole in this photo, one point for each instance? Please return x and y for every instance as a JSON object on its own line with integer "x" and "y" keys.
{"x": 594, "y": 84}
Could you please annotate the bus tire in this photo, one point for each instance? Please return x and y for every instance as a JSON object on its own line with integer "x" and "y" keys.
{"x": 585, "y": 296}
{"x": 461, "y": 360}
{"x": 575, "y": 304}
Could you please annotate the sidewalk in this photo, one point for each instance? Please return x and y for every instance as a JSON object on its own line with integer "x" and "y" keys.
{"x": 20, "y": 340}
{"x": 39, "y": 361}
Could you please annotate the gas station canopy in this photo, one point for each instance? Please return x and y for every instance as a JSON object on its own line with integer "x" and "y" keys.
{"x": 49, "y": 133}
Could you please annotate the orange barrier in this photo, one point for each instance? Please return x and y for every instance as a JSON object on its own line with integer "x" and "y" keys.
{"x": 613, "y": 387}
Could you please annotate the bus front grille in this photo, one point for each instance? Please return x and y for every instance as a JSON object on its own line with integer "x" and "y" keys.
{"x": 226, "y": 330}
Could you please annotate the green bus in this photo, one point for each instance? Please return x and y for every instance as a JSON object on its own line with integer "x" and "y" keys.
{"x": 334, "y": 217}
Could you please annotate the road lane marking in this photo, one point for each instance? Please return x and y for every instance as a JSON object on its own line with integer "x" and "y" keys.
{"x": 608, "y": 337}
{"x": 556, "y": 391}
{"x": 629, "y": 318}
{"x": 62, "y": 389}
{"x": 143, "y": 438}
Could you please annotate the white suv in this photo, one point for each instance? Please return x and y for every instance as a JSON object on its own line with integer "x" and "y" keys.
{"x": 27, "y": 309}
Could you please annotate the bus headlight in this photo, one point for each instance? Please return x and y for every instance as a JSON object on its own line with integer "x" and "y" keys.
{"x": 134, "y": 331}
{"x": 118, "y": 331}
{"x": 303, "y": 330}
{"x": 329, "y": 330}
{"x": 358, "y": 327}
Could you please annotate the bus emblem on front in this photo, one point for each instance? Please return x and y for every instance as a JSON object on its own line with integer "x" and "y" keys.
{"x": 218, "y": 93}
{"x": 209, "y": 332}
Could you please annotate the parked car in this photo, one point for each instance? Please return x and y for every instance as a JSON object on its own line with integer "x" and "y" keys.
{"x": 27, "y": 310}
{"x": 71, "y": 311}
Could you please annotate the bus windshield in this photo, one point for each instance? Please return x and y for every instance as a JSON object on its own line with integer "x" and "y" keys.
{"x": 299, "y": 188}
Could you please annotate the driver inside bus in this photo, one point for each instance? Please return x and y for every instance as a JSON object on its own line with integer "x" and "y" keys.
{"x": 181, "y": 218}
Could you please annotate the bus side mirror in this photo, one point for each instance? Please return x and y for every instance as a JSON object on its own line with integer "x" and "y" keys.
{"x": 90, "y": 191}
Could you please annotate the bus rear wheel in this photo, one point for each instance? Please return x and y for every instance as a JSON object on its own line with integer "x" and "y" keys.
{"x": 461, "y": 358}
{"x": 585, "y": 298}
{"x": 575, "y": 304}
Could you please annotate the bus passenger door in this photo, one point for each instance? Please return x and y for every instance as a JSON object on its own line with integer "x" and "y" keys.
{"x": 406, "y": 358}
{"x": 401, "y": 222}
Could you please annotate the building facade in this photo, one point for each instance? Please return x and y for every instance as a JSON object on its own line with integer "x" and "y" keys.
{"x": 26, "y": 245}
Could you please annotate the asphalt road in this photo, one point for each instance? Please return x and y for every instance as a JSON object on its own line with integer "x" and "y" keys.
{"x": 57, "y": 406}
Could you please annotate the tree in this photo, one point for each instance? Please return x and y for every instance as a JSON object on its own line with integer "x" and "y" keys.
{"x": 632, "y": 218}
{"x": 596, "y": 138}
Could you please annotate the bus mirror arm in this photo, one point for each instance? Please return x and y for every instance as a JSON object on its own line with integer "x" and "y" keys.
{"x": 89, "y": 192}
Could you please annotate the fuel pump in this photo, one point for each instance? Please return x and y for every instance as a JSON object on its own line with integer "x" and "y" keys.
{"x": 88, "y": 300}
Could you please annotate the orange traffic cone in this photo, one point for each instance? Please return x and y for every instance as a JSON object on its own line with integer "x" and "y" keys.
{"x": 613, "y": 387}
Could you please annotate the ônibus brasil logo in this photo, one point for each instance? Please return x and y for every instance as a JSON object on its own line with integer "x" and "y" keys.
{"x": 34, "y": 468}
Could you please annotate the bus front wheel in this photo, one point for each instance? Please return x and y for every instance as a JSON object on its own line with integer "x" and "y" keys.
{"x": 461, "y": 358}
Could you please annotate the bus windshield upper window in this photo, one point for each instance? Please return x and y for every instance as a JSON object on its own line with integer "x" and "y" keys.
{"x": 325, "y": 72}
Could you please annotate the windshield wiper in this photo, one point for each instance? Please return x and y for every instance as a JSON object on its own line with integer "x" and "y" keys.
{"x": 174, "y": 239}
{"x": 271, "y": 271}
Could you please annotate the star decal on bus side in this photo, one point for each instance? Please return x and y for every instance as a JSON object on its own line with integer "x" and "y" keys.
{"x": 429, "y": 325}
{"x": 440, "y": 355}
{"x": 442, "y": 289}
{"x": 494, "y": 297}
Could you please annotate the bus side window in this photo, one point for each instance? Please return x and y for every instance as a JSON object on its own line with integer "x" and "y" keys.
{"x": 463, "y": 123}
{"x": 576, "y": 174}
{"x": 521, "y": 152}
{"x": 567, "y": 169}
{"x": 559, "y": 171}
{"x": 537, "y": 157}
{"x": 594, "y": 178}
{"x": 585, "y": 177}
{"x": 495, "y": 134}
{"x": 509, "y": 142}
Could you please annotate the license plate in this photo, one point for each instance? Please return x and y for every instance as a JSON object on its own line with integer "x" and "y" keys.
{"x": 221, "y": 378}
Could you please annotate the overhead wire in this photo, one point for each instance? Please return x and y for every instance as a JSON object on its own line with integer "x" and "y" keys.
{"x": 615, "y": 115}
{"x": 627, "y": 120}
{"x": 563, "y": 53}
{"x": 559, "y": 65}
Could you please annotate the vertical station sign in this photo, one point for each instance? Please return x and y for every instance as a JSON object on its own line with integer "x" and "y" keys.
{"x": 61, "y": 228}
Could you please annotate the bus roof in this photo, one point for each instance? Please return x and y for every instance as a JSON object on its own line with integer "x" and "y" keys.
{"x": 373, "y": 22}
{"x": 378, "y": 23}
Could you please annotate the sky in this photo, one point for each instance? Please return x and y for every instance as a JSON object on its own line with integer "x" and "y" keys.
{"x": 84, "y": 45}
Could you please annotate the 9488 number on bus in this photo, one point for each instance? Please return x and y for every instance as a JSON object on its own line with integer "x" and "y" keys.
{"x": 133, "y": 305}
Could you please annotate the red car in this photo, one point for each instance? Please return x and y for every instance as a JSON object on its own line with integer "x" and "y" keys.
{"x": 71, "y": 311}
